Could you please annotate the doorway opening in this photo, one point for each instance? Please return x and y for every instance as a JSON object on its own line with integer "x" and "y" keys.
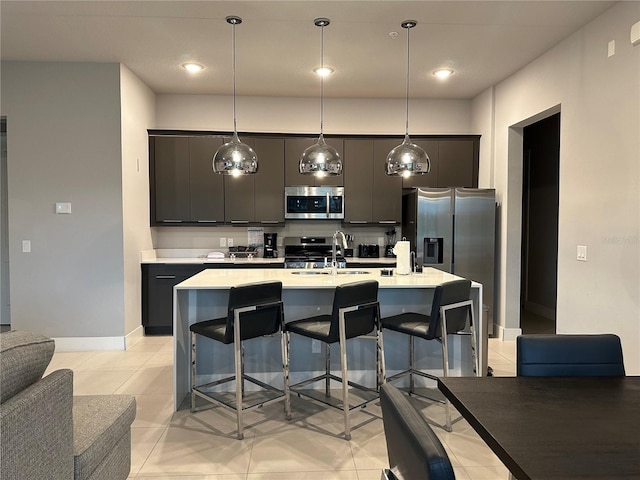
{"x": 540, "y": 199}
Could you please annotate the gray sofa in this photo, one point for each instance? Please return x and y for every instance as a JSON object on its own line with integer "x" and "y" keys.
{"x": 46, "y": 431}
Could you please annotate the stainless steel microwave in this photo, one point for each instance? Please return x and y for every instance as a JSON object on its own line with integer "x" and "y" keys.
{"x": 319, "y": 203}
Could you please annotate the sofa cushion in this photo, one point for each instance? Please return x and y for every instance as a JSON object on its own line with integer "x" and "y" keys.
{"x": 99, "y": 423}
{"x": 24, "y": 356}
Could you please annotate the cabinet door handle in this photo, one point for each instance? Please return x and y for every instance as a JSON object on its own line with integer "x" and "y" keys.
{"x": 207, "y": 221}
{"x": 269, "y": 221}
{"x": 357, "y": 221}
{"x": 239, "y": 221}
{"x": 171, "y": 221}
{"x": 165, "y": 277}
{"x": 387, "y": 221}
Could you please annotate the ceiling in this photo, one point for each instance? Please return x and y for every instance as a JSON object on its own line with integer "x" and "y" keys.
{"x": 277, "y": 44}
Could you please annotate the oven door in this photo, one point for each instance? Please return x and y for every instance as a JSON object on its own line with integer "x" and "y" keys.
{"x": 314, "y": 203}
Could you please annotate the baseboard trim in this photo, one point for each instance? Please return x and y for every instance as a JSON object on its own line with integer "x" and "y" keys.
{"x": 133, "y": 337}
{"x": 81, "y": 344}
{"x": 508, "y": 334}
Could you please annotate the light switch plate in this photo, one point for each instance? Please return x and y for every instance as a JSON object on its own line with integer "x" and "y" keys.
{"x": 582, "y": 253}
{"x": 229, "y": 242}
{"x": 223, "y": 242}
{"x": 63, "y": 207}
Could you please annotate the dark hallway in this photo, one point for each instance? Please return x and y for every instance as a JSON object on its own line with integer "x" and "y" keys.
{"x": 541, "y": 170}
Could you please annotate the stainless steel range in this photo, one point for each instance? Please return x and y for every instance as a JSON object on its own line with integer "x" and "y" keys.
{"x": 311, "y": 252}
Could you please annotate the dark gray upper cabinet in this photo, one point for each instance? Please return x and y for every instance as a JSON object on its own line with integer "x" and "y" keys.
{"x": 454, "y": 163}
{"x": 294, "y": 147}
{"x": 457, "y": 162}
{"x": 358, "y": 180}
{"x": 169, "y": 179}
{"x": 428, "y": 179}
{"x": 387, "y": 190}
{"x": 371, "y": 196}
{"x": 239, "y": 193}
{"x": 258, "y": 198}
{"x": 206, "y": 187}
{"x": 269, "y": 181}
{"x": 184, "y": 188}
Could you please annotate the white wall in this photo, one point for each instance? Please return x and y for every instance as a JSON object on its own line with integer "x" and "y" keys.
{"x": 599, "y": 100}
{"x": 302, "y": 115}
{"x": 137, "y": 103}
{"x": 63, "y": 123}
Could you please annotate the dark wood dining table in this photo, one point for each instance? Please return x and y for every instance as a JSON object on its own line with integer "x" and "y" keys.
{"x": 555, "y": 428}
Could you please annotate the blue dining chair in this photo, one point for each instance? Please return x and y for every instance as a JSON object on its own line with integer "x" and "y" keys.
{"x": 413, "y": 448}
{"x": 579, "y": 355}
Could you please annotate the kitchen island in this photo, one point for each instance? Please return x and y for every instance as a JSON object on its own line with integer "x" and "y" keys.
{"x": 306, "y": 293}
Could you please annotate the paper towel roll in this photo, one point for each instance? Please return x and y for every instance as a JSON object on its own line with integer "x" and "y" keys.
{"x": 403, "y": 257}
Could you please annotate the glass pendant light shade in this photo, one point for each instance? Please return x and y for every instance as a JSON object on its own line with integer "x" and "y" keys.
{"x": 321, "y": 159}
{"x": 407, "y": 158}
{"x": 234, "y": 157}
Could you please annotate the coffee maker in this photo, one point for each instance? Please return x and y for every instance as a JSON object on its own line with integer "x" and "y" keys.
{"x": 270, "y": 245}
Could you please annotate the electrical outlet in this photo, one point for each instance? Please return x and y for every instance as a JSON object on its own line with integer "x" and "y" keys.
{"x": 380, "y": 241}
{"x": 26, "y": 246}
{"x": 229, "y": 242}
{"x": 223, "y": 242}
{"x": 315, "y": 346}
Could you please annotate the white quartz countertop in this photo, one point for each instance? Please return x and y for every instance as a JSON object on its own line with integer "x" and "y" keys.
{"x": 196, "y": 257}
{"x": 301, "y": 279}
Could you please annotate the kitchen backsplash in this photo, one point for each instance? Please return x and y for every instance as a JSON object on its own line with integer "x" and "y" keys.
{"x": 209, "y": 237}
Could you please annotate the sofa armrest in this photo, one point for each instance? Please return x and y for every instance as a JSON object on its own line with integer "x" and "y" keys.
{"x": 36, "y": 428}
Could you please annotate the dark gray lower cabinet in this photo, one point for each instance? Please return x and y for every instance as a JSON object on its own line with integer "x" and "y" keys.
{"x": 158, "y": 281}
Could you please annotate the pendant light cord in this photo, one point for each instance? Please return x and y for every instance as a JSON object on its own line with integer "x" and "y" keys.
{"x": 322, "y": 82}
{"x": 406, "y": 130}
{"x": 233, "y": 69}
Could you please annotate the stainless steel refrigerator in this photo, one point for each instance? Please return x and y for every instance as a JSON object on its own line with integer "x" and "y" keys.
{"x": 453, "y": 229}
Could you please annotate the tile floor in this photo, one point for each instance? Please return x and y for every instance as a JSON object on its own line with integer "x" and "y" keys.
{"x": 203, "y": 446}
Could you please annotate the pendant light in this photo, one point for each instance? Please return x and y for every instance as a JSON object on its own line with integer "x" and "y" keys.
{"x": 407, "y": 158}
{"x": 321, "y": 159}
{"x": 235, "y": 158}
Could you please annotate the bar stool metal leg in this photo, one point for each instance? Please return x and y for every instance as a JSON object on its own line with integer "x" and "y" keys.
{"x": 239, "y": 370}
{"x": 345, "y": 381}
{"x": 193, "y": 371}
{"x": 327, "y": 368}
{"x": 411, "y": 381}
{"x": 380, "y": 367}
{"x": 284, "y": 345}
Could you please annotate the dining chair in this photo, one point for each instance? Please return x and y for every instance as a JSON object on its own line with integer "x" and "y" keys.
{"x": 413, "y": 448}
{"x": 450, "y": 309}
{"x": 254, "y": 310}
{"x": 569, "y": 355}
{"x": 355, "y": 313}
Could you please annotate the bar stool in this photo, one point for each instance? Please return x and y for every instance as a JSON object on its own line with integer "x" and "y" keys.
{"x": 355, "y": 313}
{"x": 254, "y": 310}
{"x": 449, "y": 310}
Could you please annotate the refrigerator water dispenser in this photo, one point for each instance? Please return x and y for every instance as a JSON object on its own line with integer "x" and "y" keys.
{"x": 432, "y": 251}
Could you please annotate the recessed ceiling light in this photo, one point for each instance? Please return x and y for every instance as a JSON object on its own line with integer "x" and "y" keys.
{"x": 443, "y": 73}
{"x": 192, "y": 67}
{"x": 323, "y": 71}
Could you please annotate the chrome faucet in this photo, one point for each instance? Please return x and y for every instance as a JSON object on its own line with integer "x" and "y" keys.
{"x": 334, "y": 250}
